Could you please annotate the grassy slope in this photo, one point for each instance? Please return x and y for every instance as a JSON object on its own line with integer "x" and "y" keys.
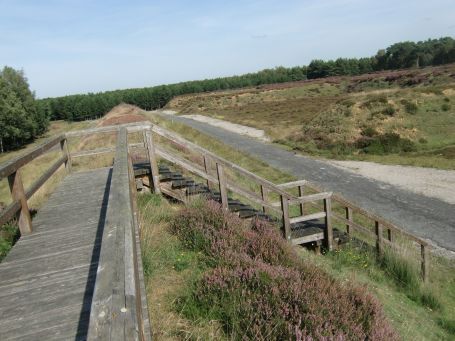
{"x": 413, "y": 320}
{"x": 327, "y": 117}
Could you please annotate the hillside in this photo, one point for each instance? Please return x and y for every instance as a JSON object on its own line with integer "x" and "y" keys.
{"x": 401, "y": 117}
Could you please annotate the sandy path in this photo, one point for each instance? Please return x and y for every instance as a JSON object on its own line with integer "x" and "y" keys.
{"x": 229, "y": 126}
{"x": 430, "y": 182}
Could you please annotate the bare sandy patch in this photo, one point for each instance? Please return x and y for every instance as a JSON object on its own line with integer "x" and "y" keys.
{"x": 233, "y": 127}
{"x": 430, "y": 182}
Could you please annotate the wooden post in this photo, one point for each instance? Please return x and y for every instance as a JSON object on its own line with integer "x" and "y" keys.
{"x": 263, "y": 197}
{"x": 378, "y": 230}
{"x": 17, "y": 192}
{"x": 206, "y": 168}
{"x": 286, "y": 222}
{"x": 65, "y": 151}
{"x": 424, "y": 262}
{"x": 301, "y": 193}
{"x": 223, "y": 188}
{"x": 350, "y": 218}
{"x": 328, "y": 223}
{"x": 155, "y": 175}
{"x": 389, "y": 235}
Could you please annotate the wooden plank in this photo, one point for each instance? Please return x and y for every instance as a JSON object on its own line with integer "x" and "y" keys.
{"x": 66, "y": 153}
{"x": 308, "y": 239}
{"x": 285, "y": 217}
{"x": 222, "y": 184}
{"x": 148, "y": 138}
{"x": 311, "y": 198}
{"x": 301, "y": 194}
{"x": 132, "y": 127}
{"x": 17, "y": 192}
{"x": 264, "y": 198}
{"x": 349, "y": 218}
{"x": 16, "y": 163}
{"x": 328, "y": 232}
{"x": 308, "y": 217}
{"x": 292, "y": 184}
{"x": 379, "y": 243}
{"x": 206, "y": 168}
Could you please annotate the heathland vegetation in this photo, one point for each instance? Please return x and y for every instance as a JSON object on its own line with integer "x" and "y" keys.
{"x": 398, "y": 117}
{"x": 397, "y": 56}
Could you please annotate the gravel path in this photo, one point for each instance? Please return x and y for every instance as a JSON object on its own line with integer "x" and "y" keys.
{"x": 427, "y": 217}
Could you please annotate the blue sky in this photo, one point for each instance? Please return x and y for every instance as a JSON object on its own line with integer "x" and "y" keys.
{"x": 78, "y": 46}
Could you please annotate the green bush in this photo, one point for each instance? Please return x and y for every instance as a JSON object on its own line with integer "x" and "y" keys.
{"x": 410, "y": 107}
{"x": 445, "y": 107}
{"x": 389, "y": 110}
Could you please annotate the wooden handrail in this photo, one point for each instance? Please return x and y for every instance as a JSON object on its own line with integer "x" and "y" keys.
{"x": 117, "y": 304}
{"x": 13, "y": 165}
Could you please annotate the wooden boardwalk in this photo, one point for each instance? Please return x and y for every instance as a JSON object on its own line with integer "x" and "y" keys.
{"x": 48, "y": 278}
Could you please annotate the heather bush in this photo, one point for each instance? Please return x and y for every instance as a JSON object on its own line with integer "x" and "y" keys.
{"x": 259, "y": 289}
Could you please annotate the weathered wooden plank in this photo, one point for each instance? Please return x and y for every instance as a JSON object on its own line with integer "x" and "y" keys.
{"x": 310, "y": 198}
{"x": 292, "y": 184}
{"x": 16, "y": 163}
{"x": 308, "y": 239}
{"x": 308, "y": 217}
{"x": 17, "y": 192}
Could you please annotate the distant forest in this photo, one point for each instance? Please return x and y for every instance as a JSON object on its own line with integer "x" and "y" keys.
{"x": 397, "y": 56}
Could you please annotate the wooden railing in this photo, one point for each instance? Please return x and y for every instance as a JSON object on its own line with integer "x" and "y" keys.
{"x": 119, "y": 304}
{"x": 12, "y": 170}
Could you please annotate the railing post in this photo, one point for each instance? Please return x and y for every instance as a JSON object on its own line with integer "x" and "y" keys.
{"x": 155, "y": 175}
{"x": 424, "y": 262}
{"x": 328, "y": 223}
{"x": 286, "y": 222}
{"x": 379, "y": 242}
{"x": 223, "y": 188}
{"x": 206, "y": 168}
{"x": 350, "y": 218}
{"x": 17, "y": 192}
{"x": 263, "y": 197}
{"x": 301, "y": 193}
{"x": 65, "y": 151}
{"x": 389, "y": 235}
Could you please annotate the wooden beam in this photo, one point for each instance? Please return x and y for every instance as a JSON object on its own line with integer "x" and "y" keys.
{"x": 148, "y": 141}
{"x": 308, "y": 217}
{"x": 16, "y": 163}
{"x": 349, "y": 218}
{"x": 292, "y": 184}
{"x": 379, "y": 240}
{"x": 206, "y": 167}
{"x": 286, "y": 220}
{"x": 310, "y": 198}
{"x": 223, "y": 187}
{"x": 328, "y": 223}
{"x": 135, "y": 126}
{"x": 9, "y": 212}
{"x": 301, "y": 194}
{"x": 17, "y": 192}
{"x": 65, "y": 151}
{"x": 264, "y": 198}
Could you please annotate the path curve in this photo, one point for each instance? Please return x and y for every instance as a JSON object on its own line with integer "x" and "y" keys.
{"x": 428, "y": 218}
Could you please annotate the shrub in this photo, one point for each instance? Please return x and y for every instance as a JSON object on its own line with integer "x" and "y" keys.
{"x": 410, "y": 107}
{"x": 389, "y": 110}
{"x": 445, "y": 107}
{"x": 259, "y": 289}
{"x": 386, "y": 143}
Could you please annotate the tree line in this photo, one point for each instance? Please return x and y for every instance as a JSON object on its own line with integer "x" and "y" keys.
{"x": 397, "y": 56}
{"x": 21, "y": 118}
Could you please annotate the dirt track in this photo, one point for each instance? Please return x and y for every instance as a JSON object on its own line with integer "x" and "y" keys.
{"x": 427, "y": 217}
